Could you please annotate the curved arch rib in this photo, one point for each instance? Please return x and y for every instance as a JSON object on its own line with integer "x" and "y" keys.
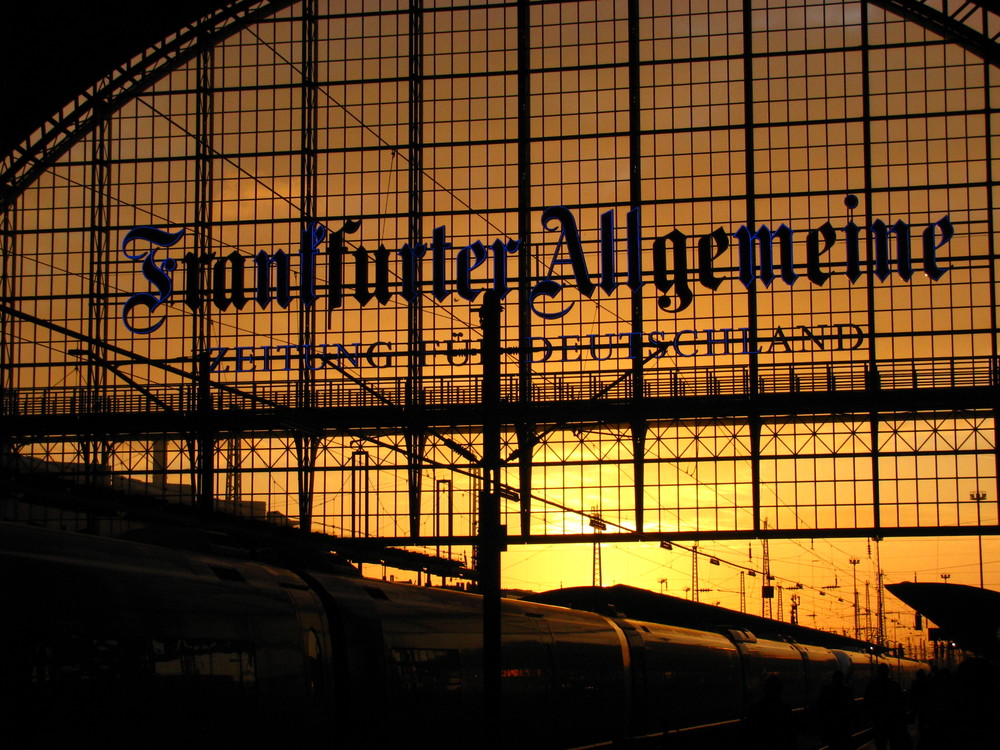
{"x": 64, "y": 129}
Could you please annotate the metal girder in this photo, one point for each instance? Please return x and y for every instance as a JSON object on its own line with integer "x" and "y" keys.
{"x": 952, "y": 23}
{"x": 65, "y": 128}
{"x": 695, "y": 535}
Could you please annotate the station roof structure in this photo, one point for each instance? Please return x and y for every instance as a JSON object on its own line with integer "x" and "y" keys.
{"x": 843, "y": 439}
{"x": 58, "y": 130}
{"x": 966, "y": 615}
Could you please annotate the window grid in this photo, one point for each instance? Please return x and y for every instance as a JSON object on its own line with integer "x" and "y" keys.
{"x": 914, "y": 141}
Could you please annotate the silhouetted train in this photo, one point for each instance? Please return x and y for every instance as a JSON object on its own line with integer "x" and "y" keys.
{"x": 141, "y": 645}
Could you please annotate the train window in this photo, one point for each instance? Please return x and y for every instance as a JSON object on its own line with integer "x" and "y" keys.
{"x": 131, "y": 683}
{"x": 741, "y": 636}
{"x": 375, "y": 593}
{"x": 228, "y": 574}
{"x": 427, "y": 670}
{"x": 215, "y": 663}
{"x": 130, "y": 668}
{"x": 314, "y": 661}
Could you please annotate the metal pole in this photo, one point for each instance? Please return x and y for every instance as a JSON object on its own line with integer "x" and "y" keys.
{"x": 491, "y": 532}
{"x": 854, "y": 577}
{"x": 205, "y": 450}
{"x": 978, "y": 497}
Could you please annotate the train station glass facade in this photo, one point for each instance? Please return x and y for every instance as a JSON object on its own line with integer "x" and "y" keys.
{"x": 746, "y": 251}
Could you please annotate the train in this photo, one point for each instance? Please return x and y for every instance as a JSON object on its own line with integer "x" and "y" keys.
{"x": 136, "y": 644}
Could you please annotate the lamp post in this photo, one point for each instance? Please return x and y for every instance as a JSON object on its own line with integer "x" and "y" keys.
{"x": 978, "y": 497}
{"x": 492, "y": 534}
{"x": 854, "y": 575}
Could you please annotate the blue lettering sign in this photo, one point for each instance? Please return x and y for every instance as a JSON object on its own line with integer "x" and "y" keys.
{"x": 155, "y": 272}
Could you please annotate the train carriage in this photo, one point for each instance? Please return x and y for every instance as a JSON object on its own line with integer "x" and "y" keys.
{"x": 120, "y": 641}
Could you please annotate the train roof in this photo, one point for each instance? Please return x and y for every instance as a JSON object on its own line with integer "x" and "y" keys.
{"x": 640, "y": 604}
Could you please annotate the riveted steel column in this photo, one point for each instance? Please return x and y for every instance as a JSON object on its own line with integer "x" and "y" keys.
{"x": 8, "y": 324}
{"x": 96, "y": 452}
{"x": 872, "y": 384}
{"x": 753, "y": 380}
{"x": 526, "y": 428}
{"x": 491, "y": 531}
{"x": 199, "y": 270}
{"x": 416, "y": 438}
{"x": 307, "y": 445}
{"x": 639, "y": 424}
